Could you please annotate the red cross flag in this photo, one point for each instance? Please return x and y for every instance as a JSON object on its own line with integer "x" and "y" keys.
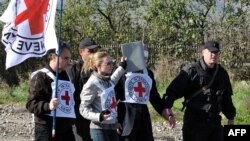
{"x": 29, "y": 29}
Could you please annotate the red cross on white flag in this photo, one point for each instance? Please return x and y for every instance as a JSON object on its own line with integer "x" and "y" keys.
{"x": 29, "y": 29}
{"x": 34, "y": 15}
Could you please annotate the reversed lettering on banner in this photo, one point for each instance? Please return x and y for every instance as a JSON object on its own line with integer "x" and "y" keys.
{"x": 28, "y": 30}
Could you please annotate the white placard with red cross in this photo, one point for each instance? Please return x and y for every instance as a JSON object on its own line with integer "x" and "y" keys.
{"x": 66, "y": 103}
{"x": 108, "y": 102}
{"x": 137, "y": 88}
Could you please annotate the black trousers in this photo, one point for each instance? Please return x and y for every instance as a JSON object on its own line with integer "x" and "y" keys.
{"x": 142, "y": 127}
{"x": 82, "y": 130}
{"x": 202, "y": 126}
{"x": 43, "y": 132}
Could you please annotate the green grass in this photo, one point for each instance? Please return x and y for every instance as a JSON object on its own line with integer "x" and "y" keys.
{"x": 176, "y": 108}
{"x": 241, "y": 100}
{"x": 14, "y": 95}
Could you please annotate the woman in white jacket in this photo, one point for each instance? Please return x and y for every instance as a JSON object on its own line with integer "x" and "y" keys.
{"x": 98, "y": 102}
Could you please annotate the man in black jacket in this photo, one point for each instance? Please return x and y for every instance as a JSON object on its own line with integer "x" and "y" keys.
{"x": 207, "y": 91}
{"x": 42, "y": 101}
{"x": 86, "y": 47}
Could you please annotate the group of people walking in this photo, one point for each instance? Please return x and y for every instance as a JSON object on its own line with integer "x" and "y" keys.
{"x": 97, "y": 101}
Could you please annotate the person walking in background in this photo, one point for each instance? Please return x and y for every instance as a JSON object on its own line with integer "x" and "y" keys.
{"x": 41, "y": 100}
{"x": 134, "y": 90}
{"x": 86, "y": 47}
{"x": 207, "y": 91}
{"x": 98, "y": 102}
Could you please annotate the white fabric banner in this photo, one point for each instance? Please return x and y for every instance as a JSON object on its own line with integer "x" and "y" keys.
{"x": 29, "y": 29}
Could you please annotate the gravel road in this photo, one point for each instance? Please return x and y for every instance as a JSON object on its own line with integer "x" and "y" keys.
{"x": 16, "y": 125}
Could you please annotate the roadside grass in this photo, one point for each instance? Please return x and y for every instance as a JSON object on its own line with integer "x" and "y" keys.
{"x": 15, "y": 94}
{"x": 241, "y": 100}
{"x": 176, "y": 108}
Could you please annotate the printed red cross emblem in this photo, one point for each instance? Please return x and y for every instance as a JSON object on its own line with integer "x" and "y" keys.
{"x": 139, "y": 89}
{"x": 113, "y": 104}
{"x": 34, "y": 14}
{"x": 66, "y": 97}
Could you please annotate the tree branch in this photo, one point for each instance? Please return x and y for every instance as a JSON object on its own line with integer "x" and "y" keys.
{"x": 108, "y": 18}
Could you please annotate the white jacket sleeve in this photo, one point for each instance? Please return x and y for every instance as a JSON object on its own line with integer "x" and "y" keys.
{"x": 117, "y": 74}
{"x": 88, "y": 96}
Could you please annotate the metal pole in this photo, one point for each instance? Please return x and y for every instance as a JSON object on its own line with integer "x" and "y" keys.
{"x": 57, "y": 67}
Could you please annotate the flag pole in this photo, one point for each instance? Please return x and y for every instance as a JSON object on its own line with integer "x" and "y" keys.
{"x": 57, "y": 67}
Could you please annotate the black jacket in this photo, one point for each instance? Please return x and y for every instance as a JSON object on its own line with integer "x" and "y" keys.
{"x": 79, "y": 78}
{"x": 192, "y": 78}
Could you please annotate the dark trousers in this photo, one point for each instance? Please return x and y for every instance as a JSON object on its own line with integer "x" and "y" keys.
{"x": 139, "y": 133}
{"x": 81, "y": 129}
{"x": 103, "y": 135}
{"x": 43, "y": 132}
{"x": 202, "y": 126}
{"x": 142, "y": 127}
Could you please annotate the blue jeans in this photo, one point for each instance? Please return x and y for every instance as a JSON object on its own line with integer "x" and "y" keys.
{"x": 103, "y": 135}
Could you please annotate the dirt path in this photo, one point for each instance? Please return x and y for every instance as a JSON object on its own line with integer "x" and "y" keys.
{"x": 16, "y": 125}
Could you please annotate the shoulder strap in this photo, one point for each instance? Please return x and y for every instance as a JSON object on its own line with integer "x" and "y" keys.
{"x": 202, "y": 89}
{"x": 145, "y": 71}
{"x": 187, "y": 66}
{"x": 44, "y": 70}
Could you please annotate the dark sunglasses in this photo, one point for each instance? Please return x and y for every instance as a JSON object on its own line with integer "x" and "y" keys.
{"x": 94, "y": 50}
{"x": 215, "y": 52}
{"x": 109, "y": 63}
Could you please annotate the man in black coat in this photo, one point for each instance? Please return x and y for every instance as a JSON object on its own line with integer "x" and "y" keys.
{"x": 207, "y": 91}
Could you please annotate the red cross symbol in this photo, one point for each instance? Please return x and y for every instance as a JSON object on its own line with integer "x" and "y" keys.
{"x": 66, "y": 97}
{"x": 139, "y": 89}
{"x": 34, "y": 14}
{"x": 113, "y": 104}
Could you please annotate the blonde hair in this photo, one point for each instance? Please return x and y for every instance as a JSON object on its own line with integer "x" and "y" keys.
{"x": 93, "y": 61}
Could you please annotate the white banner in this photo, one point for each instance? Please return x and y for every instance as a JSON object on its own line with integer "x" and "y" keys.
{"x": 29, "y": 29}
